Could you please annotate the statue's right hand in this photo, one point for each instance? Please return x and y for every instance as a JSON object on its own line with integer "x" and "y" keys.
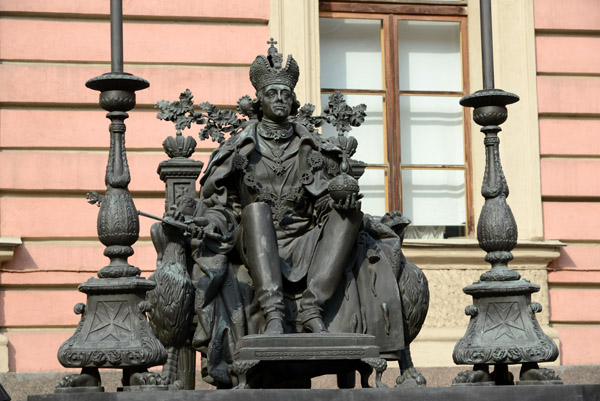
{"x": 211, "y": 231}
{"x": 200, "y": 221}
{"x": 174, "y": 214}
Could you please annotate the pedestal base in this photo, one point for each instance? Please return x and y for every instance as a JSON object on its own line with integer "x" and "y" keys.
{"x": 503, "y": 330}
{"x": 113, "y": 333}
{"x": 302, "y": 356}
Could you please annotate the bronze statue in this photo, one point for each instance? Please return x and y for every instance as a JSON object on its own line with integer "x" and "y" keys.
{"x": 276, "y": 242}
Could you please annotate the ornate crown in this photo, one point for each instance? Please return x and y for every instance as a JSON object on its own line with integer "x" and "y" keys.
{"x": 267, "y": 70}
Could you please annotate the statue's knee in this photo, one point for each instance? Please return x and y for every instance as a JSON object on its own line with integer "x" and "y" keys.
{"x": 257, "y": 209}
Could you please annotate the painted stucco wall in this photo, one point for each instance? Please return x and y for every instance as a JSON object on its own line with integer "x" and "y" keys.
{"x": 54, "y": 138}
{"x": 54, "y": 142}
{"x": 568, "y": 65}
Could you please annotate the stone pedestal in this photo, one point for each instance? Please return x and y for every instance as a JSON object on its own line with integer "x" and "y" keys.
{"x": 113, "y": 331}
{"x": 503, "y": 328}
{"x": 179, "y": 175}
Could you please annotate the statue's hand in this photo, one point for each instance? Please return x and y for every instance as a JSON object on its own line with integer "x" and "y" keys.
{"x": 175, "y": 223}
{"x": 210, "y": 231}
{"x": 350, "y": 203}
{"x": 174, "y": 214}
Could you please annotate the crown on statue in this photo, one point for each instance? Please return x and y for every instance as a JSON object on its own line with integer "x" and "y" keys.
{"x": 267, "y": 70}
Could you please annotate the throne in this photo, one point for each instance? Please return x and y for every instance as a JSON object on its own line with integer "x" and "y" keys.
{"x": 205, "y": 298}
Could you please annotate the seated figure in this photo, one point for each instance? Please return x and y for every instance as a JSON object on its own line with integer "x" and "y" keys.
{"x": 279, "y": 244}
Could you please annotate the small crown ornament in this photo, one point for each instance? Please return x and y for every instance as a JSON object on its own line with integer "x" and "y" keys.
{"x": 267, "y": 70}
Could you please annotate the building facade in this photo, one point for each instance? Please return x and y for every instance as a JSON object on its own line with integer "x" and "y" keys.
{"x": 423, "y": 56}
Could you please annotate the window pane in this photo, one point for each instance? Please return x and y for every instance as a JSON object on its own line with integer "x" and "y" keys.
{"x": 431, "y": 130}
{"x": 370, "y": 134}
{"x": 429, "y": 56}
{"x": 434, "y": 197}
{"x": 372, "y": 186}
{"x": 350, "y": 53}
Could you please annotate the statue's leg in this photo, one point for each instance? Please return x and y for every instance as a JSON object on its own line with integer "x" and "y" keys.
{"x": 331, "y": 257}
{"x": 261, "y": 256}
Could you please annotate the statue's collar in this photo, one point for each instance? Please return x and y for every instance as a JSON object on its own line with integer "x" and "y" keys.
{"x": 271, "y": 130}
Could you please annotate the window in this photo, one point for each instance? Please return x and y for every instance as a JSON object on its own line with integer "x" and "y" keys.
{"x": 407, "y": 63}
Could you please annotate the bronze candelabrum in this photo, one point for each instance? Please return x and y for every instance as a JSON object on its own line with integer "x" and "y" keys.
{"x": 113, "y": 331}
{"x": 503, "y": 328}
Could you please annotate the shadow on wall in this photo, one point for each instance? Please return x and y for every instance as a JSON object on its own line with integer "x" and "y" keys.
{"x": 563, "y": 261}
{"x": 21, "y": 260}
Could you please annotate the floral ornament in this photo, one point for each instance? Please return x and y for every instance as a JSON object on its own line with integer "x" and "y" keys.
{"x": 98, "y": 358}
{"x": 315, "y": 161}
{"x": 94, "y": 198}
{"x": 114, "y": 357}
{"x": 216, "y": 122}
{"x": 293, "y": 194}
{"x": 332, "y": 167}
{"x": 181, "y": 112}
{"x": 240, "y": 162}
{"x": 306, "y": 177}
{"x": 342, "y": 116}
{"x": 499, "y": 355}
{"x": 305, "y": 117}
{"x": 264, "y": 195}
{"x": 250, "y": 180}
{"x": 279, "y": 211}
{"x": 478, "y": 356}
{"x": 278, "y": 169}
{"x": 244, "y": 107}
{"x": 514, "y": 354}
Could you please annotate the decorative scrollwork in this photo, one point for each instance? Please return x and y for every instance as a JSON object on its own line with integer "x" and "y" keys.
{"x": 487, "y": 355}
{"x": 471, "y": 310}
{"x": 94, "y": 198}
{"x": 79, "y": 308}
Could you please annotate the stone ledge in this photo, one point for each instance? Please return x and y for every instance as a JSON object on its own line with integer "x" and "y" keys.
{"x": 489, "y": 393}
{"x": 7, "y": 247}
{"x": 465, "y": 253}
{"x": 20, "y": 385}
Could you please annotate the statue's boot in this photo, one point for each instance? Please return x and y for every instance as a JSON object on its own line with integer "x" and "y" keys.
{"x": 332, "y": 253}
{"x": 261, "y": 255}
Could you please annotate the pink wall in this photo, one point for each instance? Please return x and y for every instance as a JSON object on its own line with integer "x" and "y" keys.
{"x": 568, "y": 64}
{"x": 54, "y": 138}
{"x": 53, "y": 142}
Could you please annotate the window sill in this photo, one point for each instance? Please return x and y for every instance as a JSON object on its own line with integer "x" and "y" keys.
{"x": 465, "y": 253}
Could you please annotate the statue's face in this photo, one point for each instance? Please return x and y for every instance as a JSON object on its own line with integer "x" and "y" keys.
{"x": 277, "y": 102}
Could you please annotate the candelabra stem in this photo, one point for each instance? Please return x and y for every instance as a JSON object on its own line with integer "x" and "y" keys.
{"x": 116, "y": 35}
{"x": 487, "y": 48}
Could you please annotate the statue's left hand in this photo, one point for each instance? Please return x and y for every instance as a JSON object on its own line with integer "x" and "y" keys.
{"x": 350, "y": 203}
